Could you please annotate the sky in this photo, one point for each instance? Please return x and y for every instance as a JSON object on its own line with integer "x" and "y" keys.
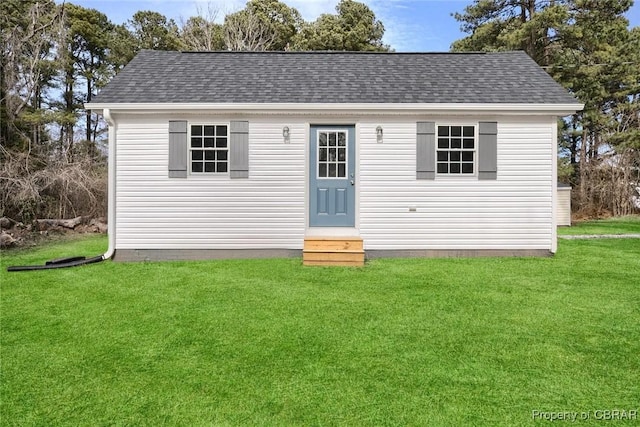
{"x": 410, "y": 25}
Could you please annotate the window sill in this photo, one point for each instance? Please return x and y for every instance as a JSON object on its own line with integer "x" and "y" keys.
{"x": 208, "y": 176}
{"x": 471, "y": 177}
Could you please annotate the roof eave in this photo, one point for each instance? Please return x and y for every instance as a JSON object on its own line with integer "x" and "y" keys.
{"x": 359, "y": 108}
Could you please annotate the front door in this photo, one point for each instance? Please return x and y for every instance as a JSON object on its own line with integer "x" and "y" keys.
{"x": 332, "y": 176}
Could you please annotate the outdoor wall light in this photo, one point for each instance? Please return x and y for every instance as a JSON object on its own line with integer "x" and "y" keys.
{"x": 379, "y": 134}
{"x": 285, "y": 134}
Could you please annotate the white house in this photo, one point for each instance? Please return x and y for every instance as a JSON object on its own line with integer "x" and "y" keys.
{"x": 243, "y": 154}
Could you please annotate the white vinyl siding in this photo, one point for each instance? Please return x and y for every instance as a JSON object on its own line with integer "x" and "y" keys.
{"x": 209, "y": 211}
{"x": 513, "y": 212}
{"x": 394, "y": 210}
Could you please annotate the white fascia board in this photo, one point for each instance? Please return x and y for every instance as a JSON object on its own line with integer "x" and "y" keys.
{"x": 332, "y": 108}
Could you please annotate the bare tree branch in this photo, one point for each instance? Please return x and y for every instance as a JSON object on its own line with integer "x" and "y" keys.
{"x": 245, "y": 31}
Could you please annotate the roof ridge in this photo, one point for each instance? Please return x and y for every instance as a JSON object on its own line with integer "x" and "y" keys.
{"x": 331, "y": 52}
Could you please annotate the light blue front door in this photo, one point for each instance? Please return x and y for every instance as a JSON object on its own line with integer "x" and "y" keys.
{"x": 332, "y": 176}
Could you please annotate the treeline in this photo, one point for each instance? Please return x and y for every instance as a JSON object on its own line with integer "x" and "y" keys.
{"x": 588, "y": 47}
{"x": 56, "y": 57}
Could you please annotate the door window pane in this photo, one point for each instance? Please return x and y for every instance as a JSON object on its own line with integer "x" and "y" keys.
{"x": 332, "y": 154}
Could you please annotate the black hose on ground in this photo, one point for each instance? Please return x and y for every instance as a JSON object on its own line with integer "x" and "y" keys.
{"x": 58, "y": 263}
{"x": 65, "y": 260}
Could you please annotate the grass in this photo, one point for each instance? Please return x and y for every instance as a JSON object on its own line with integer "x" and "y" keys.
{"x": 270, "y": 342}
{"x": 620, "y": 225}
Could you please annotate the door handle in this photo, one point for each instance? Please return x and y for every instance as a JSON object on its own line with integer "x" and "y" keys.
{"x": 352, "y": 183}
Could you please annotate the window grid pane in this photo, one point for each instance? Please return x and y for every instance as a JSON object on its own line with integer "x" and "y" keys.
{"x": 209, "y": 148}
{"x": 332, "y": 154}
{"x": 455, "y": 150}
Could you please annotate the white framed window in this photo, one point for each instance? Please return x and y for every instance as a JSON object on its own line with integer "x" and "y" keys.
{"x": 332, "y": 154}
{"x": 456, "y": 147}
{"x": 209, "y": 148}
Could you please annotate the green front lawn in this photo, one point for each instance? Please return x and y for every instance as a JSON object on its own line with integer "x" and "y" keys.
{"x": 620, "y": 225}
{"x": 269, "y": 342}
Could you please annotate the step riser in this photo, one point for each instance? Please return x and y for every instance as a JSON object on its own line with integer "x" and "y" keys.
{"x": 333, "y": 263}
{"x": 333, "y": 245}
{"x": 338, "y": 251}
{"x": 333, "y": 256}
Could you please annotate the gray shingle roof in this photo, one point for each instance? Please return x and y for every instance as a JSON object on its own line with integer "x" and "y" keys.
{"x": 333, "y": 77}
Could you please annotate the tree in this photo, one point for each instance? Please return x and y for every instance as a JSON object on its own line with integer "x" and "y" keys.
{"x": 201, "y": 32}
{"x": 586, "y": 46}
{"x": 262, "y": 25}
{"x": 123, "y": 46}
{"x": 512, "y": 25}
{"x": 244, "y": 30}
{"x": 29, "y": 31}
{"x": 152, "y": 30}
{"x": 36, "y": 178}
{"x": 599, "y": 62}
{"x": 354, "y": 28}
{"x": 88, "y": 37}
{"x": 283, "y": 21}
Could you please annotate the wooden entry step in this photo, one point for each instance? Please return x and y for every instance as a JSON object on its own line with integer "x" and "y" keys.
{"x": 333, "y": 251}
